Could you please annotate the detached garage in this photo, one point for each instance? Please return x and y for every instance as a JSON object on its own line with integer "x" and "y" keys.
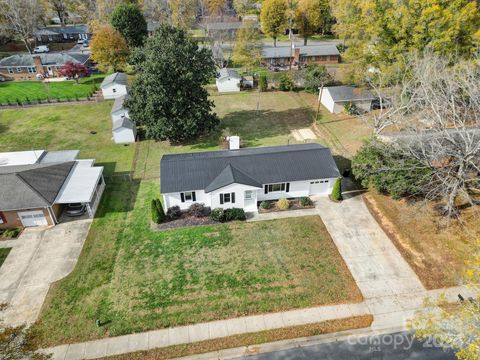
{"x": 334, "y": 98}
{"x": 228, "y": 80}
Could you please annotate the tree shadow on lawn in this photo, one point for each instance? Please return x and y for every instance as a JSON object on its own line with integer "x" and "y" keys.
{"x": 252, "y": 126}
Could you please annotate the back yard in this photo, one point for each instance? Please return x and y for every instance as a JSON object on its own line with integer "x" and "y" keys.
{"x": 12, "y": 92}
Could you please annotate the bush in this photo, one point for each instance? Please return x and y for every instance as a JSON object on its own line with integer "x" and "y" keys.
{"x": 263, "y": 83}
{"x": 337, "y": 190}
{"x": 10, "y": 233}
{"x": 234, "y": 214}
{"x": 266, "y": 205}
{"x": 217, "y": 214}
{"x": 174, "y": 212}
{"x": 283, "y": 204}
{"x": 286, "y": 82}
{"x": 158, "y": 215}
{"x": 197, "y": 210}
{"x": 351, "y": 109}
{"x": 306, "y": 201}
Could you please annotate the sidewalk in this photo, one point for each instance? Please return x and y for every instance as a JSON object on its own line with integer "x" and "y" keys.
{"x": 280, "y": 214}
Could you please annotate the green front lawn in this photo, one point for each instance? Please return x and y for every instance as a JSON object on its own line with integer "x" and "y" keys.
{"x": 66, "y": 127}
{"x": 134, "y": 279}
{"x": 3, "y": 254}
{"x": 14, "y": 91}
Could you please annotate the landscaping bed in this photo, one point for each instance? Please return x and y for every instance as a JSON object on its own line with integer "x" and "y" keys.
{"x": 8, "y": 234}
{"x": 293, "y": 204}
{"x": 184, "y": 221}
{"x": 135, "y": 279}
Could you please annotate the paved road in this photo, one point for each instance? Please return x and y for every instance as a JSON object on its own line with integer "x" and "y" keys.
{"x": 388, "y": 347}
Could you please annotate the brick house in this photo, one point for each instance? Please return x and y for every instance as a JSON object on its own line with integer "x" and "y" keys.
{"x": 63, "y": 33}
{"x": 26, "y": 67}
{"x": 301, "y": 55}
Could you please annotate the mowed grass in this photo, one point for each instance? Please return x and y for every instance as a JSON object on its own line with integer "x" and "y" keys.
{"x": 3, "y": 254}
{"x": 435, "y": 249}
{"x": 14, "y": 91}
{"x": 134, "y": 279}
{"x": 66, "y": 127}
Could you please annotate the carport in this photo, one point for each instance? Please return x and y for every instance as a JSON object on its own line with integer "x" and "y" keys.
{"x": 85, "y": 184}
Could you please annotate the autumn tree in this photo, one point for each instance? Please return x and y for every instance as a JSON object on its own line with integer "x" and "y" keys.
{"x": 311, "y": 16}
{"x": 183, "y": 13}
{"x": 168, "y": 97}
{"x": 247, "y": 48}
{"x": 379, "y": 33}
{"x": 215, "y": 7}
{"x": 130, "y": 22}
{"x": 73, "y": 70}
{"x": 22, "y": 18}
{"x": 274, "y": 18}
{"x": 244, "y": 7}
{"x": 109, "y": 49}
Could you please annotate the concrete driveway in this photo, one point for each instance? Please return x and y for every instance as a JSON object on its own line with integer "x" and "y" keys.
{"x": 391, "y": 289}
{"x": 39, "y": 257}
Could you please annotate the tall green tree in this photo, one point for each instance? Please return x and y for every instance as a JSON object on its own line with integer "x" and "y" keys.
{"x": 380, "y": 32}
{"x": 247, "y": 48}
{"x": 130, "y": 22}
{"x": 168, "y": 97}
{"x": 274, "y": 18}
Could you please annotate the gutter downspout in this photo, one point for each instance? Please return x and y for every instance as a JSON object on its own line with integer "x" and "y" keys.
{"x": 52, "y": 215}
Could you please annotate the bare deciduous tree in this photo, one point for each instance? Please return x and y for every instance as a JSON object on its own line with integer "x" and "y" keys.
{"x": 22, "y": 17}
{"x": 437, "y": 105}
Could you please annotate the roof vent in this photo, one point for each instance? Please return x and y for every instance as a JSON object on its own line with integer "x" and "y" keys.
{"x": 233, "y": 142}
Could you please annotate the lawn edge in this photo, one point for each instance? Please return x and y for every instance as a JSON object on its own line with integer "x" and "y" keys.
{"x": 250, "y": 339}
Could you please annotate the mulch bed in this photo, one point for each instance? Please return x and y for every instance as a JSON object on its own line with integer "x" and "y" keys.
{"x": 184, "y": 221}
{"x": 294, "y": 205}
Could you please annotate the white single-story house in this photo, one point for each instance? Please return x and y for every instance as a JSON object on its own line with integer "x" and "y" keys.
{"x": 228, "y": 80}
{"x": 334, "y": 98}
{"x": 119, "y": 110}
{"x": 244, "y": 177}
{"x": 124, "y": 131}
{"x": 114, "y": 85}
{"x": 35, "y": 186}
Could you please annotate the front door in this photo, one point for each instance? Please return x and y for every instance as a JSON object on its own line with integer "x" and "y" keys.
{"x": 250, "y": 201}
{"x": 33, "y": 218}
{"x": 50, "y": 70}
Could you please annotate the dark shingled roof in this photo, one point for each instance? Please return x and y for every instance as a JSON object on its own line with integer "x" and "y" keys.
{"x": 31, "y": 186}
{"x": 55, "y": 30}
{"x": 115, "y": 78}
{"x": 47, "y": 59}
{"x": 252, "y": 166}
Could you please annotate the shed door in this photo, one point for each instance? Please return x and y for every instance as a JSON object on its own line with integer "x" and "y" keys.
{"x": 318, "y": 187}
{"x": 33, "y": 218}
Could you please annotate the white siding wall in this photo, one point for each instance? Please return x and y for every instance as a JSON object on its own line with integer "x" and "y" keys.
{"x": 114, "y": 91}
{"x": 124, "y": 135}
{"x": 228, "y": 85}
{"x": 327, "y": 100}
{"x": 239, "y": 191}
{"x": 173, "y": 199}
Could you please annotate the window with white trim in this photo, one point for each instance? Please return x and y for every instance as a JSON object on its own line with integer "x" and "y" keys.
{"x": 278, "y": 187}
{"x": 248, "y": 194}
{"x": 188, "y": 196}
{"x": 19, "y": 69}
{"x": 10, "y": 70}
{"x": 32, "y": 70}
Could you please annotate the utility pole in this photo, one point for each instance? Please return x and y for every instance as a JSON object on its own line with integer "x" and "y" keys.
{"x": 290, "y": 35}
{"x": 319, "y": 102}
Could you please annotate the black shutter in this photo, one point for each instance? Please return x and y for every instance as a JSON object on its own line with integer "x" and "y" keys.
{"x": 194, "y": 198}
{"x": 221, "y": 198}
{"x": 182, "y": 197}
{"x": 233, "y": 198}
{"x": 266, "y": 189}
{"x": 288, "y": 187}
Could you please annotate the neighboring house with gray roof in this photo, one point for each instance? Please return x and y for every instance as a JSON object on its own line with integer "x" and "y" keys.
{"x": 242, "y": 178}
{"x": 334, "y": 98}
{"x": 27, "y": 67}
{"x": 228, "y": 80}
{"x": 114, "y": 85}
{"x": 36, "y": 185}
{"x": 67, "y": 33}
{"x": 301, "y": 55}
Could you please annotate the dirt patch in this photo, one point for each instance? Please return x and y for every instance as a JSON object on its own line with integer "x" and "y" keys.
{"x": 325, "y": 327}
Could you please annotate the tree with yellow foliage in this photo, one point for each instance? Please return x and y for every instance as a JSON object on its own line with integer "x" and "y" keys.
{"x": 215, "y": 7}
{"x": 457, "y": 328}
{"x": 109, "y": 48}
{"x": 247, "y": 48}
{"x": 310, "y": 15}
{"x": 183, "y": 13}
{"x": 273, "y": 17}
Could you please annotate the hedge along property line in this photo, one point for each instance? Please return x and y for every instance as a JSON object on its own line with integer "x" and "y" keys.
{"x": 324, "y": 327}
{"x": 34, "y": 103}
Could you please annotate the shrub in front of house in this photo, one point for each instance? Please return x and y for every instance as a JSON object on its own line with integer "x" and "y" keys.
{"x": 197, "y": 210}
{"x": 337, "y": 190}
{"x": 9, "y": 233}
{"x": 283, "y": 204}
{"x": 286, "y": 82}
{"x": 234, "y": 214}
{"x": 263, "y": 83}
{"x": 351, "y": 109}
{"x": 158, "y": 215}
{"x": 306, "y": 201}
{"x": 266, "y": 205}
{"x": 174, "y": 212}
{"x": 217, "y": 214}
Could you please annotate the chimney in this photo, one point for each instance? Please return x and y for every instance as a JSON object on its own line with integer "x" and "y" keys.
{"x": 37, "y": 61}
{"x": 296, "y": 54}
{"x": 233, "y": 142}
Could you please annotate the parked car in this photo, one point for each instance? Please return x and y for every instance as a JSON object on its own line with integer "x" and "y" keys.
{"x": 80, "y": 41}
{"x": 41, "y": 49}
{"x": 75, "y": 209}
{"x": 85, "y": 43}
{"x": 2, "y": 79}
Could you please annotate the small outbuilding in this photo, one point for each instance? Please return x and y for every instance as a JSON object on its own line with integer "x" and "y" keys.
{"x": 334, "y": 98}
{"x": 228, "y": 80}
{"x": 114, "y": 85}
{"x": 119, "y": 110}
{"x": 124, "y": 131}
